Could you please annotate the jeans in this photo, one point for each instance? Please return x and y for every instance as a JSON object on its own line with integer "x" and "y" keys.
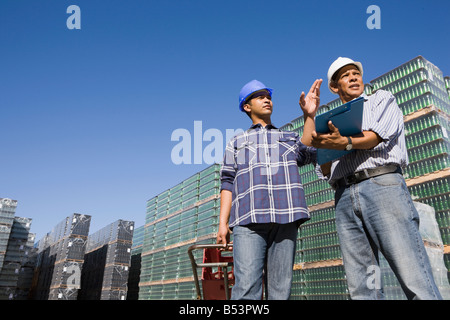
{"x": 378, "y": 215}
{"x": 267, "y": 248}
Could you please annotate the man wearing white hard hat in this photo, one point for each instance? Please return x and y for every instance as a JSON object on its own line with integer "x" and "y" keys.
{"x": 374, "y": 210}
{"x": 262, "y": 198}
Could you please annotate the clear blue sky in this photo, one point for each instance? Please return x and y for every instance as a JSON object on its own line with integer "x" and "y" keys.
{"x": 87, "y": 115}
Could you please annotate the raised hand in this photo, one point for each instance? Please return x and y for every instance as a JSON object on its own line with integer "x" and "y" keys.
{"x": 311, "y": 101}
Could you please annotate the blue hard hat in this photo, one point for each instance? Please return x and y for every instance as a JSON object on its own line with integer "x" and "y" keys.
{"x": 249, "y": 89}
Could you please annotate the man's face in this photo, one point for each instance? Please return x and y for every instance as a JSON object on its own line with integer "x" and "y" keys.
{"x": 348, "y": 83}
{"x": 260, "y": 104}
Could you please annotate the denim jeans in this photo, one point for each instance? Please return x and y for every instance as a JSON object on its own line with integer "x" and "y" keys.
{"x": 378, "y": 215}
{"x": 268, "y": 248}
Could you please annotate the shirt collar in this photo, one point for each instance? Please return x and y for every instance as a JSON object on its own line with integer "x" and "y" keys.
{"x": 259, "y": 125}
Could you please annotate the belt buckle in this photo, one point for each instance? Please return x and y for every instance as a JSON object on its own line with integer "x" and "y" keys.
{"x": 357, "y": 177}
{"x": 350, "y": 179}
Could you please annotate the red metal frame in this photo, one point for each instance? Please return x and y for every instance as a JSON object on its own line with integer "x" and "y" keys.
{"x": 213, "y": 282}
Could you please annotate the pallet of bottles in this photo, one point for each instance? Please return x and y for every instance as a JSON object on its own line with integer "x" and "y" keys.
{"x": 429, "y": 165}
{"x": 319, "y": 273}
{"x": 15, "y": 258}
{"x": 431, "y": 235}
{"x": 135, "y": 264}
{"x": 107, "y": 260}
{"x": 63, "y": 293}
{"x": 422, "y": 94}
{"x": 177, "y": 218}
{"x": 60, "y": 258}
{"x": 186, "y": 194}
{"x": 408, "y": 74}
{"x": 25, "y": 279}
{"x": 447, "y": 85}
{"x": 134, "y": 277}
{"x": 7, "y": 212}
{"x": 116, "y": 276}
{"x": 168, "y": 274}
{"x": 114, "y": 294}
{"x": 320, "y": 283}
{"x": 415, "y": 84}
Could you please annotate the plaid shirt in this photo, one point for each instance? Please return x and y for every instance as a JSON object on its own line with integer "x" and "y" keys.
{"x": 260, "y": 168}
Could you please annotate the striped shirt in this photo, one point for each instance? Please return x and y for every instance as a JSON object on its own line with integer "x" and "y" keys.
{"x": 260, "y": 168}
{"x": 383, "y": 116}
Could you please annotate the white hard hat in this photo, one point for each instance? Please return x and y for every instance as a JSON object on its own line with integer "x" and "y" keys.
{"x": 339, "y": 63}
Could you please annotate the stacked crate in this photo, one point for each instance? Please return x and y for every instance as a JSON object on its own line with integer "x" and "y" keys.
{"x": 421, "y": 94}
{"x": 135, "y": 264}
{"x": 106, "y": 262}
{"x": 177, "y": 218}
{"x": 447, "y": 85}
{"x": 27, "y": 269}
{"x": 15, "y": 258}
{"x": 60, "y": 258}
{"x": 447, "y": 251}
{"x": 7, "y": 212}
{"x": 15, "y": 252}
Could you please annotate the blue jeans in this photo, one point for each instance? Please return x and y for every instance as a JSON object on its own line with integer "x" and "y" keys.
{"x": 378, "y": 215}
{"x": 268, "y": 248}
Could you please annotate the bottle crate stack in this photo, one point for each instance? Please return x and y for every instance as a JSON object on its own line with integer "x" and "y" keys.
{"x": 431, "y": 235}
{"x": 15, "y": 258}
{"x": 447, "y": 85}
{"x": 427, "y": 116}
{"x": 25, "y": 279}
{"x": 135, "y": 264}
{"x": 60, "y": 258}
{"x": 16, "y": 252}
{"x": 422, "y": 94}
{"x": 106, "y": 262}
{"x": 177, "y": 218}
{"x": 7, "y": 212}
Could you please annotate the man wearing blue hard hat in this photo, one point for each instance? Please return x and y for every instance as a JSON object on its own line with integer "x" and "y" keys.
{"x": 262, "y": 197}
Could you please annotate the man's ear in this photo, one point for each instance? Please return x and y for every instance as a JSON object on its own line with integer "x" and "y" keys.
{"x": 247, "y": 107}
{"x": 333, "y": 86}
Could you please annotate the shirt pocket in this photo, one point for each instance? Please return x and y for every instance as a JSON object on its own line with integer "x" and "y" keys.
{"x": 287, "y": 147}
{"x": 245, "y": 153}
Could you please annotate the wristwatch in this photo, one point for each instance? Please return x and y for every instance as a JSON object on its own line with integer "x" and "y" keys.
{"x": 349, "y": 146}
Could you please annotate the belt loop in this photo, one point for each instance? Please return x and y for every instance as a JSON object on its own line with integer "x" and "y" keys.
{"x": 366, "y": 173}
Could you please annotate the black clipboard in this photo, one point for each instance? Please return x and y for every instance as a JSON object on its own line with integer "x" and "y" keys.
{"x": 347, "y": 118}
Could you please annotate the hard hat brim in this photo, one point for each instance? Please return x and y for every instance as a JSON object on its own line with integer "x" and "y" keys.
{"x": 244, "y": 101}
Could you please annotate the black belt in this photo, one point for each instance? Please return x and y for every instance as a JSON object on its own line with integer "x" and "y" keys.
{"x": 365, "y": 174}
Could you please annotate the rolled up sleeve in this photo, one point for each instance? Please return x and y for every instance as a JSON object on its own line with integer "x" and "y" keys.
{"x": 387, "y": 121}
{"x": 228, "y": 169}
{"x": 306, "y": 154}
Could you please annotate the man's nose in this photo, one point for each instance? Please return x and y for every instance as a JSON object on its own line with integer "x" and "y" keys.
{"x": 353, "y": 77}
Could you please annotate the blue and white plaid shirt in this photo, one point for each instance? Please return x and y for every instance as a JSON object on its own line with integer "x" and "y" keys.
{"x": 260, "y": 168}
